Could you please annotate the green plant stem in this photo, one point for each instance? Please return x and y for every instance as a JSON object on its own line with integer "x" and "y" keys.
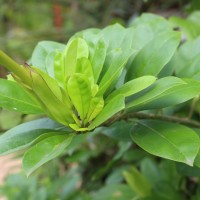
{"x": 14, "y": 67}
{"x": 140, "y": 115}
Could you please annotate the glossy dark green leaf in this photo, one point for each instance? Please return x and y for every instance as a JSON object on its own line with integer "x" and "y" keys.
{"x": 119, "y": 131}
{"x": 165, "y": 92}
{"x": 168, "y": 140}
{"x": 155, "y": 55}
{"x": 115, "y": 61}
{"x": 22, "y": 135}
{"x": 13, "y": 97}
{"x": 45, "y": 151}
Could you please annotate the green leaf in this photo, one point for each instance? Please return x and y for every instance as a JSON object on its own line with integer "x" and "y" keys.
{"x": 119, "y": 130}
{"x": 114, "y": 36}
{"x": 9, "y": 119}
{"x": 115, "y": 61}
{"x": 114, "y": 192}
{"x": 155, "y": 55}
{"x": 151, "y": 171}
{"x": 22, "y": 135}
{"x": 98, "y": 58}
{"x": 13, "y": 97}
{"x": 41, "y": 51}
{"x": 83, "y": 66}
{"x": 168, "y": 140}
{"x": 137, "y": 182}
{"x": 165, "y": 92}
{"x": 59, "y": 68}
{"x": 77, "y": 48}
{"x": 79, "y": 89}
{"x": 108, "y": 111}
{"x": 156, "y": 22}
{"x": 53, "y": 106}
{"x": 96, "y": 106}
{"x": 45, "y": 151}
{"x": 132, "y": 87}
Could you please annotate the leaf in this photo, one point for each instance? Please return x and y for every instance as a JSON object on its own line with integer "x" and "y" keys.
{"x": 165, "y": 92}
{"x": 53, "y": 106}
{"x": 137, "y": 182}
{"x": 114, "y": 192}
{"x": 168, "y": 140}
{"x": 22, "y": 135}
{"x": 9, "y": 119}
{"x": 13, "y": 97}
{"x": 119, "y": 130}
{"x": 45, "y": 151}
{"x": 83, "y": 66}
{"x": 156, "y": 22}
{"x": 98, "y": 58}
{"x": 41, "y": 51}
{"x": 151, "y": 171}
{"x": 155, "y": 55}
{"x": 114, "y": 36}
{"x": 49, "y": 63}
{"x": 115, "y": 61}
{"x": 96, "y": 106}
{"x": 108, "y": 111}
{"x": 77, "y": 48}
{"x": 79, "y": 89}
{"x": 132, "y": 87}
{"x": 59, "y": 68}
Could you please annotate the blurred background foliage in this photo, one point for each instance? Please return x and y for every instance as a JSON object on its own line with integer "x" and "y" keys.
{"x": 98, "y": 168}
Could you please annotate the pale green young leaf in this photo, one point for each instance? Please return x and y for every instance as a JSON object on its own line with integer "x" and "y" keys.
{"x": 42, "y": 50}
{"x": 52, "y": 105}
{"x": 84, "y": 66}
{"x": 59, "y": 68}
{"x": 24, "y": 134}
{"x": 77, "y": 48}
{"x": 137, "y": 182}
{"x": 79, "y": 90}
{"x": 51, "y": 83}
{"x": 13, "y": 97}
{"x": 114, "y": 106}
{"x": 77, "y": 128}
{"x": 167, "y": 140}
{"x": 132, "y": 87}
{"x": 96, "y": 106}
{"x": 45, "y": 151}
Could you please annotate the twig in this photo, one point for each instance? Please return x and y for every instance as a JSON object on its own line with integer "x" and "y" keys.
{"x": 140, "y": 115}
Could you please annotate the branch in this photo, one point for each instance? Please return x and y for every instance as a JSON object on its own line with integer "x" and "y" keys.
{"x": 140, "y": 115}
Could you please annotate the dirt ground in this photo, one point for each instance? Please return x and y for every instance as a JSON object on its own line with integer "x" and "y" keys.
{"x": 8, "y": 165}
